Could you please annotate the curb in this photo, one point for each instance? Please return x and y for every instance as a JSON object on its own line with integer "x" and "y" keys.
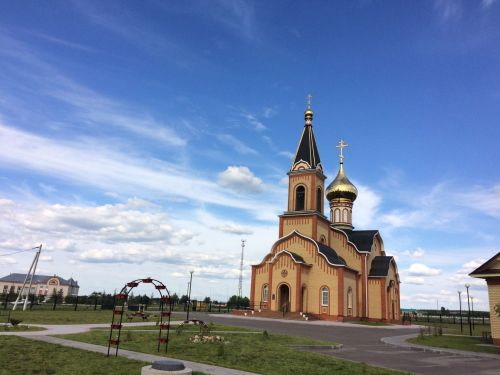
{"x": 400, "y": 341}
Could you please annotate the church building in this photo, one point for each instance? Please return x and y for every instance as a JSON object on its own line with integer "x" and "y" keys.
{"x": 320, "y": 265}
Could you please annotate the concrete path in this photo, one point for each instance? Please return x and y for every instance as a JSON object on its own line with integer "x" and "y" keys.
{"x": 364, "y": 344}
{"x": 81, "y": 328}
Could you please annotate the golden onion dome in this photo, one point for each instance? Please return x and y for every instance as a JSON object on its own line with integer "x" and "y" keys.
{"x": 341, "y": 187}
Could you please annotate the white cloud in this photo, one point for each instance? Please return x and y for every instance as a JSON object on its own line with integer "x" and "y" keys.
{"x": 485, "y": 200}
{"x": 366, "y": 207}
{"x": 240, "y": 179}
{"x": 236, "y": 144}
{"x": 233, "y": 228}
{"x": 97, "y": 165}
{"x": 449, "y": 9}
{"x": 418, "y": 269}
{"x": 254, "y": 121}
{"x": 417, "y": 253}
{"x": 487, "y": 3}
{"x": 46, "y": 258}
{"x": 414, "y": 280}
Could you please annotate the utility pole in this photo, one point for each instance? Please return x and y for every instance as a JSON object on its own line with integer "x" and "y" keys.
{"x": 460, "y": 304}
{"x": 472, "y": 303}
{"x": 31, "y": 275}
{"x": 467, "y": 286}
{"x": 240, "y": 284}
{"x": 189, "y": 294}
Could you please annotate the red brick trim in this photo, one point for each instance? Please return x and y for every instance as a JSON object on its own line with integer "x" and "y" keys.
{"x": 315, "y": 227}
{"x": 271, "y": 289}
{"x": 298, "y": 288}
{"x": 252, "y": 287}
{"x": 496, "y": 341}
{"x": 383, "y": 294}
{"x": 364, "y": 286}
{"x": 340, "y": 273}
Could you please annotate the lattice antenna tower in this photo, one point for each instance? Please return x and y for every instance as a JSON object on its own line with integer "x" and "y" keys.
{"x": 240, "y": 284}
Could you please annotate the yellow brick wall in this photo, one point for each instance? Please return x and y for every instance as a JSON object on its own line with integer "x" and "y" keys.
{"x": 301, "y": 224}
{"x": 323, "y": 229}
{"x": 494, "y": 298}
{"x": 374, "y": 299}
{"x": 284, "y": 262}
{"x": 339, "y": 243}
{"x": 323, "y": 273}
{"x": 261, "y": 278}
{"x": 350, "y": 281}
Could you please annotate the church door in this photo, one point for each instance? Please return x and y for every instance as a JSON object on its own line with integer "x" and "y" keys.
{"x": 284, "y": 298}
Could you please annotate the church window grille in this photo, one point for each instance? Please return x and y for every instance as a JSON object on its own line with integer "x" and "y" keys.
{"x": 337, "y": 216}
{"x": 324, "y": 296}
{"x": 265, "y": 293}
{"x": 300, "y": 198}
{"x": 319, "y": 200}
{"x": 344, "y": 215}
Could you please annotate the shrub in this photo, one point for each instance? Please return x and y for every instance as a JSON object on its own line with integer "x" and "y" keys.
{"x": 15, "y": 322}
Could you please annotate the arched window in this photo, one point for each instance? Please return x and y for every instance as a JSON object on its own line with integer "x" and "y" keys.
{"x": 344, "y": 215}
{"x": 300, "y": 197}
{"x": 349, "y": 298}
{"x": 265, "y": 293}
{"x": 324, "y": 296}
{"x": 319, "y": 200}
{"x": 322, "y": 239}
{"x": 337, "y": 216}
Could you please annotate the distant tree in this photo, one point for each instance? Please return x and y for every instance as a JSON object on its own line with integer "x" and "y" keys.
{"x": 175, "y": 298}
{"x": 207, "y": 300}
{"x": 184, "y": 299}
{"x": 238, "y": 301}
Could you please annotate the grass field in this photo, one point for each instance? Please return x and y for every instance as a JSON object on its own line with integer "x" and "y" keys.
{"x": 264, "y": 354}
{"x": 69, "y": 316}
{"x": 456, "y": 342}
{"x": 19, "y": 328}
{"x": 19, "y": 356}
{"x": 454, "y": 329}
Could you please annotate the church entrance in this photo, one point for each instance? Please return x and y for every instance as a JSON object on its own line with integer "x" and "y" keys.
{"x": 284, "y": 298}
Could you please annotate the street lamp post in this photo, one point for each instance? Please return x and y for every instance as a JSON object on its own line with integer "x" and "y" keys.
{"x": 189, "y": 294}
{"x": 460, "y": 304}
{"x": 467, "y": 286}
{"x": 472, "y": 303}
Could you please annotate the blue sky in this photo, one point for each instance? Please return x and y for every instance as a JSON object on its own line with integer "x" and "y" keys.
{"x": 148, "y": 138}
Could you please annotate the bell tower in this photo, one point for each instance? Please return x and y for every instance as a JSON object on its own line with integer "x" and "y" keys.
{"x": 305, "y": 178}
{"x": 341, "y": 194}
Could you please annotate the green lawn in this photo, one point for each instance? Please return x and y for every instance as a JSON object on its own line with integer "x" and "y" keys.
{"x": 264, "y": 354}
{"x": 456, "y": 342}
{"x": 68, "y": 316}
{"x": 20, "y": 356}
{"x": 454, "y": 329}
{"x": 19, "y": 328}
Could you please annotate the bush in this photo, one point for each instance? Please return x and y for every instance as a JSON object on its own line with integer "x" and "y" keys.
{"x": 15, "y": 322}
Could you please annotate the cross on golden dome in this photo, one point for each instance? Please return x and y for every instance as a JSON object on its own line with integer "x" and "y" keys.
{"x": 341, "y": 145}
{"x": 309, "y": 101}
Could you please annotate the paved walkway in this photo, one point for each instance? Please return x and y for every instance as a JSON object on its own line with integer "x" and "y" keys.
{"x": 363, "y": 343}
{"x": 81, "y": 328}
{"x": 383, "y": 346}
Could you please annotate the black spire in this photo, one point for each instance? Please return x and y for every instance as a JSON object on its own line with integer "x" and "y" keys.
{"x": 307, "y": 151}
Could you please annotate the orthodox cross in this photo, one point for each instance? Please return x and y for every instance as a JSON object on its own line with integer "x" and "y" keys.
{"x": 341, "y": 145}
{"x": 309, "y": 101}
